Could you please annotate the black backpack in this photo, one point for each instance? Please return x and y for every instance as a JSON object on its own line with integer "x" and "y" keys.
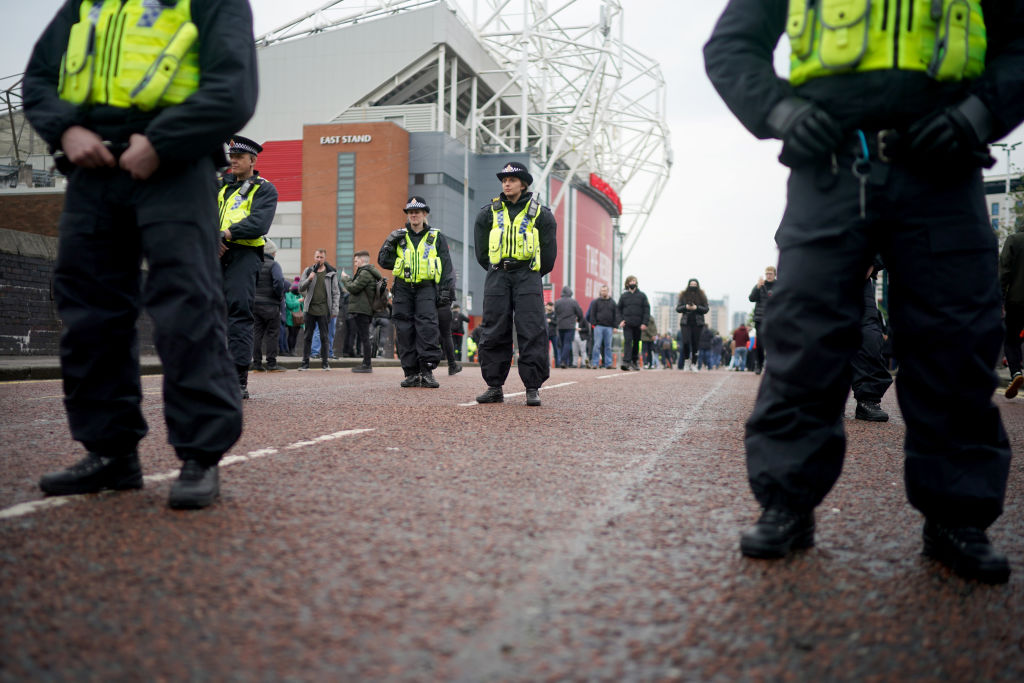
{"x": 380, "y": 296}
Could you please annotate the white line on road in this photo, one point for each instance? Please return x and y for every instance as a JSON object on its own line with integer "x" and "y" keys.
{"x": 520, "y": 393}
{"x": 22, "y": 509}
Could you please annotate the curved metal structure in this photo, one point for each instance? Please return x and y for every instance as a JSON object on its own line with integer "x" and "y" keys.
{"x": 572, "y": 93}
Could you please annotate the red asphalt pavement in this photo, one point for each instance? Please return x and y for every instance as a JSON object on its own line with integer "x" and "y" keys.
{"x": 367, "y": 532}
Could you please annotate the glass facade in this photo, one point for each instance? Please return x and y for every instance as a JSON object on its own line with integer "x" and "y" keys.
{"x": 346, "y": 209}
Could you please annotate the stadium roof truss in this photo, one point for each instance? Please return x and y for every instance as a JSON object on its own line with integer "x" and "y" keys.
{"x": 591, "y": 103}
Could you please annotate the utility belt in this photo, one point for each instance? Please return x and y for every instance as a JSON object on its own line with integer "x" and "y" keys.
{"x": 510, "y": 264}
{"x": 415, "y": 285}
{"x": 873, "y": 145}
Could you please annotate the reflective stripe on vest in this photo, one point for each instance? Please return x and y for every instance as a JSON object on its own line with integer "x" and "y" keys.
{"x": 237, "y": 206}
{"x": 517, "y": 238}
{"x": 425, "y": 264}
{"x": 944, "y": 38}
{"x": 139, "y": 53}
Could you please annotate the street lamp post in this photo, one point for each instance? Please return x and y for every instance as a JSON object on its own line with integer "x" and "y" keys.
{"x": 1009, "y": 148}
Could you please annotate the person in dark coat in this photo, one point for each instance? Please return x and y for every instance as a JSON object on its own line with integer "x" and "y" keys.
{"x": 760, "y": 295}
{"x": 691, "y": 304}
{"x": 139, "y": 163}
{"x": 603, "y": 315}
{"x": 633, "y": 310}
{"x": 886, "y": 134}
{"x": 361, "y": 287}
{"x": 567, "y": 314}
{"x": 459, "y": 320}
{"x": 1011, "y": 282}
{"x": 516, "y": 244}
{"x": 267, "y": 307}
{"x": 445, "y": 318}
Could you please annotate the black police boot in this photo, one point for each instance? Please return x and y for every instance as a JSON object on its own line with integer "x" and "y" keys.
{"x": 492, "y": 395}
{"x": 533, "y": 397}
{"x": 362, "y": 368}
{"x": 427, "y": 380}
{"x": 454, "y": 368}
{"x": 197, "y": 486}
{"x": 967, "y": 551}
{"x": 778, "y": 532}
{"x": 272, "y": 366}
{"x": 411, "y": 380}
{"x": 258, "y": 367}
{"x": 94, "y": 473}
{"x": 870, "y": 411}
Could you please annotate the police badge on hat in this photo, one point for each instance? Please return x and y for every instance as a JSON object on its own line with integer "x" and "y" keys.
{"x": 514, "y": 169}
{"x": 416, "y": 203}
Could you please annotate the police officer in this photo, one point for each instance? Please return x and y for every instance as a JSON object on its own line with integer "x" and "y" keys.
{"x": 516, "y": 244}
{"x": 418, "y": 256}
{"x": 246, "y": 204}
{"x": 138, "y": 144}
{"x": 884, "y": 121}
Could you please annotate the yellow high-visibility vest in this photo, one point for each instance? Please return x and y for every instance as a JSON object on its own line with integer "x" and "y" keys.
{"x": 237, "y": 206}
{"x": 136, "y": 53}
{"x": 944, "y": 38}
{"x": 421, "y": 263}
{"x": 516, "y": 238}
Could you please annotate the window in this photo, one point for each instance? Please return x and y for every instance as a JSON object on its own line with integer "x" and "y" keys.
{"x": 346, "y": 207}
{"x": 995, "y": 208}
{"x": 289, "y": 242}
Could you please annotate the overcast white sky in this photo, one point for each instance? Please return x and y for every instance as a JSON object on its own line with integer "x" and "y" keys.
{"x": 725, "y": 196}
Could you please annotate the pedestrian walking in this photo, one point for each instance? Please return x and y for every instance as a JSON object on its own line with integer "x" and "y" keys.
{"x": 871, "y": 378}
{"x": 759, "y": 296}
{"x": 633, "y": 311}
{"x": 138, "y": 145}
{"x": 516, "y": 244}
{"x": 459, "y": 320}
{"x": 885, "y": 129}
{"x": 691, "y": 304}
{"x": 418, "y": 255}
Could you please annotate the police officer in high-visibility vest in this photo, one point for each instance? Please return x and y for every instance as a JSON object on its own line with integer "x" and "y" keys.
{"x": 246, "y": 206}
{"x": 418, "y": 257}
{"x": 516, "y": 244}
{"x": 136, "y": 98}
{"x": 884, "y": 121}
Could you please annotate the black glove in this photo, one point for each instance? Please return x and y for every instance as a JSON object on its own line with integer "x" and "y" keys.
{"x": 443, "y": 300}
{"x": 953, "y": 135}
{"x": 807, "y": 132}
{"x": 396, "y": 236}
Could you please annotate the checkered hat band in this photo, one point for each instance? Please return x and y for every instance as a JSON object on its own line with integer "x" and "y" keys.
{"x": 415, "y": 205}
{"x": 242, "y": 147}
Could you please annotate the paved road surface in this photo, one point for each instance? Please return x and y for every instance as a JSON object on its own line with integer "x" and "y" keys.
{"x": 367, "y": 532}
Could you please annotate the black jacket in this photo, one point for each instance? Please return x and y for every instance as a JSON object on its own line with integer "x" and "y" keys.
{"x": 739, "y": 61}
{"x": 270, "y": 284}
{"x": 546, "y": 228}
{"x": 1011, "y": 269}
{"x": 603, "y": 312}
{"x": 634, "y": 308}
{"x": 197, "y": 127}
{"x": 694, "y": 318}
{"x": 567, "y": 311}
{"x": 760, "y": 295}
{"x": 388, "y": 253}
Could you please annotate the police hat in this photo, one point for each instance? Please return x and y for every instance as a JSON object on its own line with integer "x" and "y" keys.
{"x": 241, "y": 145}
{"x": 516, "y": 170}
{"x": 416, "y": 203}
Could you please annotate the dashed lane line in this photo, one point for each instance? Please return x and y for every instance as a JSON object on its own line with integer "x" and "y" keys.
{"x": 22, "y": 509}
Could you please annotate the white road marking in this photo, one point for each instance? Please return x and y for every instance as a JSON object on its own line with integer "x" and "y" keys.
{"x": 618, "y": 374}
{"x": 22, "y": 509}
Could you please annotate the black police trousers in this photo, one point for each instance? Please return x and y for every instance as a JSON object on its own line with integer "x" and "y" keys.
{"x": 414, "y": 313}
{"x": 444, "y": 328}
{"x": 266, "y": 326}
{"x": 241, "y": 268}
{"x": 932, "y": 230}
{"x": 518, "y": 294}
{"x": 871, "y": 378}
{"x": 110, "y": 223}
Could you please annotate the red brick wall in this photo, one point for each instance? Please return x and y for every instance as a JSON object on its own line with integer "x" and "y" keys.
{"x": 382, "y": 184}
{"x": 37, "y": 213}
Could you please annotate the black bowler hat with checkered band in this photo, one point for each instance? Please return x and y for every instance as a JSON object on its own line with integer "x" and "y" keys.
{"x": 242, "y": 145}
{"x": 514, "y": 169}
{"x": 416, "y": 204}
